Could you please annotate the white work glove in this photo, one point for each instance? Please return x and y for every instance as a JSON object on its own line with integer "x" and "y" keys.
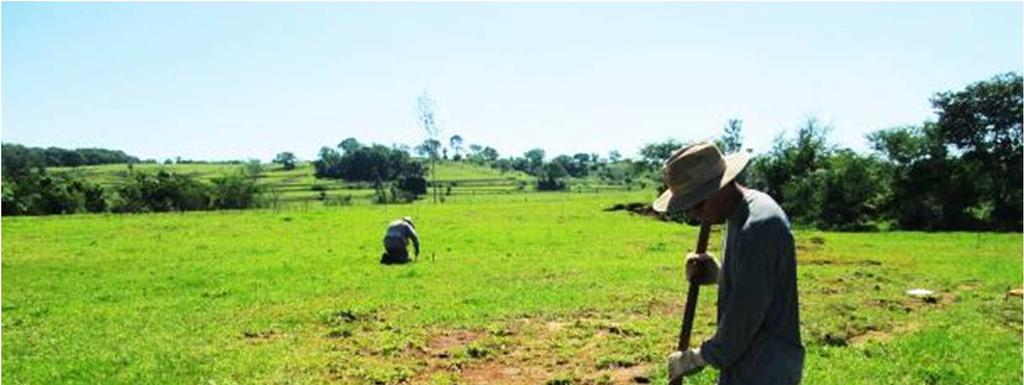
{"x": 702, "y": 269}
{"x": 684, "y": 363}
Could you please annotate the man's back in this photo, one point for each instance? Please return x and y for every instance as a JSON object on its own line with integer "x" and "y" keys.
{"x": 400, "y": 229}
{"x": 758, "y": 337}
{"x": 396, "y": 241}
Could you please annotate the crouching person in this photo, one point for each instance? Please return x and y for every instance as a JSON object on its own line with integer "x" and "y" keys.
{"x": 396, "y": 242}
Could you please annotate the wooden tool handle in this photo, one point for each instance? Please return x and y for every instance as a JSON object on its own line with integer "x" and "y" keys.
{"x": 691, "y": 298}
{"x": 702, "y": 239}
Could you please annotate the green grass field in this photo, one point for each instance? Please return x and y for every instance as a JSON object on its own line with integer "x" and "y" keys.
{"x": 542, "y": 288}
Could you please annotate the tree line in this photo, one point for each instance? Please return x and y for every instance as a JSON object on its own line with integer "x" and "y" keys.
{"x": 40, "y": 192}
{"x": 959, "y": 172}
{"x": 393, "y": 173}
{"x": 18, "y": 158}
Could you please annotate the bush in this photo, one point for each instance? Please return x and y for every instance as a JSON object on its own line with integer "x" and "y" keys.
{"x": 552, "y": 177}
{"x": 40, "y": 193}
{"x": 234, "y": 192}
{"x": 162, "y": 192}
{"x": 388, "y": 169}
{"x": 415, "y": 185}
{"x": 367, "y": 164}
{"x": 550, "y": 185}
{"x": 286, "y": 160}
{"x": 252, "y": 168}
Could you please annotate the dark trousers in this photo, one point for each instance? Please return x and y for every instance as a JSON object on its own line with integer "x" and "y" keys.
{"x": 394, "y": 253}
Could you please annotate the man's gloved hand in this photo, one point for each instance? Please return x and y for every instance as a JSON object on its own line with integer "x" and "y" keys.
{"x": 702, "y": 269}
{"x": 684, "y": 363}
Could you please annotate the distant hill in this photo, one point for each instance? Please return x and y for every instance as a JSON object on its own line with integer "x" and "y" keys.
{"x": 299, "y": 184}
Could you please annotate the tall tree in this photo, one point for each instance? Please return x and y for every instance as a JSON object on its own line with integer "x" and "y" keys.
{"x": 349, "y": 144}
{"x": 614, "y": 156}
{"x": 489, "y": 154}
{"x": 551, "y": 175}
{"x": 655, "y": 154}
{"x": 430, "y": 148}
{"x": 984, "y": 121}
{"x": 790, "y": 160}
{"x": 732, "y": 137}
{"x": 535, "y": 159}
{"x": 426, "y": 109}
{"x": 928, "y": 188}
{"x": 286, "y": 160}
{"x": 456, "y": 143}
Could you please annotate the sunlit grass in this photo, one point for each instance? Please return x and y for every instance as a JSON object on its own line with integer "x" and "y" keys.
{"x": 547, "y": 284}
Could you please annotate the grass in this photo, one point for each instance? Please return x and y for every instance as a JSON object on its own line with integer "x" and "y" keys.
{"x": 461, "y": 171}
{"x": 534, "y": 288}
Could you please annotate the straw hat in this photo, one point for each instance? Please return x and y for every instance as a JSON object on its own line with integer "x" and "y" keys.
{"x": 695, "y": 173}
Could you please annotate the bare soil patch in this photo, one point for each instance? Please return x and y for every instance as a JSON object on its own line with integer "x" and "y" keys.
{"x": 493, "y": 372}
{"x": 883, "y": 335}
{"x": 443, "y": 342}
{"x": 818, "y": 261}
{"x": 568, "y": 349}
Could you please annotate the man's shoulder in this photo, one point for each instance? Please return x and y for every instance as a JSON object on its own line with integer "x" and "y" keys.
{"x": 765, "y": 214}
{"x": 398, "y": 225}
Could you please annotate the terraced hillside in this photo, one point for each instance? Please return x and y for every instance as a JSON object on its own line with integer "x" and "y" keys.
{"x": 457, "y": 181}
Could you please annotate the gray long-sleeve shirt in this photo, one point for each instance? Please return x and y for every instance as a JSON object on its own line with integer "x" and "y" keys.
{"x": 398, "y": 235}
{"x": 758, "y": 336}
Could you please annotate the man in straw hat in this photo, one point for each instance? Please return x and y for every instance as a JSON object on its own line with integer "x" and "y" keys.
{"x": 396, "y": 241}
{"x": 757, "y": 340}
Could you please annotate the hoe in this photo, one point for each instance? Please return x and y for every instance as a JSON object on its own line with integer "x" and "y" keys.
{"x": 691, "y": 298}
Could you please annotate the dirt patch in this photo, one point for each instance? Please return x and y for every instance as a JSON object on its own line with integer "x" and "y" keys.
{"x": 633, "y": 375}
{"x": 1019, "y": 293}
{"x": 882, "y": 336}
{"x": 861, "y": 262}
{"x": 937, "y": 299}
{"x": 891, "y": 305}
{"x": 873, "y": 335}
{"x": 616, "y": 328}
{"x": 554, "y": 326}
{"x": 441, "y": 345}
{"x": 661, "y": 307}
{"x": 811, "y": 245}
{"x": 438, "y": 356}
{"x": 570, "y": 349}
{"x": 349, "y": 316}
{"x": 493, "y": 372}
{"x": 639, "y": 209}
{"x": 259, "y": 335}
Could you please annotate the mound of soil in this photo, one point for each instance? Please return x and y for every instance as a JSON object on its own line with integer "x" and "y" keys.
{"x": 639, "y": 209}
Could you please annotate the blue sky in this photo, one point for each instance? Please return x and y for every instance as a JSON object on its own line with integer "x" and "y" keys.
{"x": 248, "y": 80}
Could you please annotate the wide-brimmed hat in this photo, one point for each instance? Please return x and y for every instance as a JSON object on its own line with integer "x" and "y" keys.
{"x": 695, "y": 173}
